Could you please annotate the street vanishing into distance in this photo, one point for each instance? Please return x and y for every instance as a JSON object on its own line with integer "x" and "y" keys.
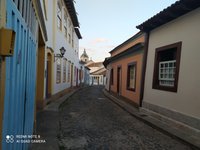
{"x": 89, "y": 120}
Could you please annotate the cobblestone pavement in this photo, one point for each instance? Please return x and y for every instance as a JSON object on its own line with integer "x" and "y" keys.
{"x": 89, "y": 120}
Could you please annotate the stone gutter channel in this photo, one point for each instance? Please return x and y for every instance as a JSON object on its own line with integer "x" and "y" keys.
{"x": 48, "y": 126}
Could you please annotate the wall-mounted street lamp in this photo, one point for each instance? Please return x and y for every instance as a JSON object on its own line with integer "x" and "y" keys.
{"x": 62, "y": 53}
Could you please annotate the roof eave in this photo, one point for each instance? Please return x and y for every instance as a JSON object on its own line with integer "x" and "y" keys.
{"x": 172, "y": 12}
{"x": 72, "y": 12}
{"x": 127, "y": 41}
{"x": 78, "y": 33}
{"x": 129, "y": 51}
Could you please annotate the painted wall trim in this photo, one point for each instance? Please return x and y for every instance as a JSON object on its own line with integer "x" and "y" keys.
{"x": 129, "y": 51}
{"x": 178, "y": 116}
{"x": 144, "y": 64}
{"x": 2, "y": 93}
{"x": 2, "y": 70}
{"x": 40, "y": 76}
{"x": 41, "y": 19}
{"x": 51, "y": 49}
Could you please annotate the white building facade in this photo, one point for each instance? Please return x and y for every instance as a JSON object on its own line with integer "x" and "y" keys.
{"x": 62, "y": 24}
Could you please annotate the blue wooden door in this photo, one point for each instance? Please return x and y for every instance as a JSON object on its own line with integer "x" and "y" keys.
{"x": 19, "y": 102}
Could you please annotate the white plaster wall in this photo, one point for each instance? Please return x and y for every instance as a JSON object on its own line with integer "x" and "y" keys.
{"x": 93, "y": 69}
{"x": 50, "y": 23}
{"x": 187, "y": 98}
{"x": 56, "y": 40}
{"x": 86, "y": 78}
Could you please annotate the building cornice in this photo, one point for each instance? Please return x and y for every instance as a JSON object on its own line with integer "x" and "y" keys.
{"x": 172, "y": 12}
{"x": 129, "y": 51}
{"x": 72, "y": 12}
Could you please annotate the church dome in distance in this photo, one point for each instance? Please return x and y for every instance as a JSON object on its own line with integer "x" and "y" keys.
{"x": 84, "y": 57}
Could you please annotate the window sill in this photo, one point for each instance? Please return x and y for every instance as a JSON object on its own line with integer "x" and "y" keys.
{"x": 165, "y": 88}
{"x": 131, "y": 89}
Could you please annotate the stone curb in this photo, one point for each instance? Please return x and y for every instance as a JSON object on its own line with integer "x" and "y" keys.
{"x": 53, "y": 107}
{"x": 176, "y": 133}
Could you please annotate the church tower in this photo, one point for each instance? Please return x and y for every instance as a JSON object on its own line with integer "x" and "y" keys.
{"x": 84, "y": 57}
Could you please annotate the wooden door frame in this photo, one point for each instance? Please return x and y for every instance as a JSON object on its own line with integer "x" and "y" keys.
{"x": 49, "y": 75}
{"x": 119, "y": 80}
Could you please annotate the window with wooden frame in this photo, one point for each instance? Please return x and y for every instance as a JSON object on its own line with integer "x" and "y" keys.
{"x": 75, "y": 73}
{"x": 59, "y": 16}
{"x": 72, "y": 38}
{"x": 58, "y": 70}
{"x": 65, "y": 23}
{"x": 69, "y": 38}
{"x": 69, "y": 72}
{"x": 73, "y": 43}
{"x": 64, "y": 70}
{"x": 111, "y": 77}
{"x": 131, "y": 76}
{"x": 80, "y": 75}
{"x": 166, "y": 67}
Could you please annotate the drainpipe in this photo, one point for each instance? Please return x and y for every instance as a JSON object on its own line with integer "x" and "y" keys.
{"x": 144, "y": 67}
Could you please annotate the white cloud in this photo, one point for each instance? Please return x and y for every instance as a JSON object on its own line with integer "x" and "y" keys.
{"x": 98, "y": 41}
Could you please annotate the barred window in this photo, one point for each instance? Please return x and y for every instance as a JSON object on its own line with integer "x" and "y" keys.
{"x": 167, "y": 71}
{"x": 73, "y": 38}
{"x": 64, "y": 71}
{"x": 69, "y": 38}
{"x": 166, "y": 67}
{"x": 69, "y": 72}
{"x": 131, "y": 76}
{"x": 111, "y": 77}
{"x": 59, "y": 16}
{"x": 65, "y": 24}
{"x": 58, "y": 70}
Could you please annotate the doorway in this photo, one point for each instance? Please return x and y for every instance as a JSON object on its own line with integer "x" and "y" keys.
{"x": 119, "y": 80}
{"x": 48, "y": 75}
{"x": 72, "y": 74}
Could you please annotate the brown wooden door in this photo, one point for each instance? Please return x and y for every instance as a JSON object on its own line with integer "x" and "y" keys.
{"x": 119, "y": 80}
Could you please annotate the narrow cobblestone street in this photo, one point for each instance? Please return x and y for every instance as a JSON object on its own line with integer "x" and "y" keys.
{"x": 89, "y": 120}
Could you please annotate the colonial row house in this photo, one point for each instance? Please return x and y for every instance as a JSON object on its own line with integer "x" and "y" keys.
{"x": 157, "y": 69}
{"x": 59, "y": 60}
{"x": 22, "y": 35}
{"x": 124, "y": 69}
{"x": 172, "y": 82}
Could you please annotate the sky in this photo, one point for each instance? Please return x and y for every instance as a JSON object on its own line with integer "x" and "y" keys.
{"x": 105, "y": 24}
